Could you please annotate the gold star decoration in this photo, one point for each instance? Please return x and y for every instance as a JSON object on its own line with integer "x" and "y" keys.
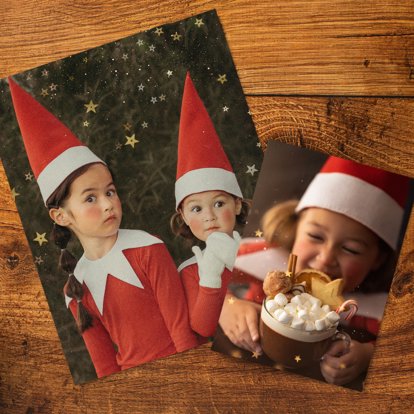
{"x": 118, "y": 146}
{"x": 199, "y": 22}
{"x": 151, "y": 48}
{"x": 127, "y": 126}
{"x": 131, "y": 140}
{"x": 251, "y": 169}
{"x": 298, "y": 359}
{"x": 342, "y": 365}
{"x": 255, "y": 354}
{"x": 236, "y": 353}
{"x": 169, "y": 73}
{"x": 176, "y": 36}
{"x": 45, "y": 72}
{"x": 162, "y": 97}
{"x": 259, "y": 145}
{"x": 125, "y": 57}
{"x": 159, "y": 31}
{"x": 38, "y": 260}
{"x": 329, "y": 293}
{"x": 14, "y": 193}
{"x": 140, "y": 42}
{"x": 85, "y": 123}
{"x": 231, "y": 300}
{"x": 258, "y": 233}
{"x": 90, "y": 107}
{"x": 28, "y": 176}
{"x": 40, "y": 238}
{"x": 222, "y": 78}
{"x": 225, "y": 108}
{"x": 85, "y": 59}
{"x": 144, "y": 124}
{"x": 44, "y": 92}
{"x": 52, "y": 86}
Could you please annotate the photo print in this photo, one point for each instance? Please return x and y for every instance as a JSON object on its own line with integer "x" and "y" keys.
{"x": 106, "y": 153}
{"x": 313, "y": 272}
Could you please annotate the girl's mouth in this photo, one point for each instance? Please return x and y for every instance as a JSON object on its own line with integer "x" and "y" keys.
{"x": 110, "y": 218}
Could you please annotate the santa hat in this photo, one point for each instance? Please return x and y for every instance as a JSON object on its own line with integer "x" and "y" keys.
{"x": 53, "y": 150}
{"x": 202, "y": 164}
{"x": 373, "y": 197}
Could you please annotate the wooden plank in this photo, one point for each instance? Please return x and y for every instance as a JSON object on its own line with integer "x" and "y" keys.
{"x": 34, "y": 376}
{"x": 291, "y": 47}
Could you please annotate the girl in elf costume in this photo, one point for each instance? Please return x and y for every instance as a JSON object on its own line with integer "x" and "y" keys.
{"x": 208, "y": 205}
{"x": 124, "y": 292}
{"x": 347, "y": 225}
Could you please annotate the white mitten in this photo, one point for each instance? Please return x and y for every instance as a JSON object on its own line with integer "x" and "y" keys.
{"x": 224, "y": 247}
{"x": 210, "y": 267}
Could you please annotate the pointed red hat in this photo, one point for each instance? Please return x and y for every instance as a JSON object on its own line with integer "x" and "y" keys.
{"x": 53, "y": 150}
{"x": 373, "y": 197}
{"x": 202, "y": 164}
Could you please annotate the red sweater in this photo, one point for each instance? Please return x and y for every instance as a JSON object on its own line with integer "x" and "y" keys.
{"x": 204, "y": 303}
{"x": 144, "y": 323}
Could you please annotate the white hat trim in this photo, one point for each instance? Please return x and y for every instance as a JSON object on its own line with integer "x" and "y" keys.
{"x": 63, "y": 165}
{"x": 206, "y": 179}
{"x": 357, "y": 199}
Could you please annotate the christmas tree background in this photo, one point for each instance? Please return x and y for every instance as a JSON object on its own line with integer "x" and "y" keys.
{"x": 123, "y": 100}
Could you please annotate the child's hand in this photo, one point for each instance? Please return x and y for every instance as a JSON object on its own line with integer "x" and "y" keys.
{"x": 240, "y": 322}
{"x": 224, "y": 247}
{"x": 338, "y": 368}
{"x": 210, "y": 268}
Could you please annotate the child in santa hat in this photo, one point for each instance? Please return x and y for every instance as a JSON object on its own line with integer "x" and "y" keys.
{"x": 124, "y": 292}
{"x": 347, "y": 225}
{"x": 209, "y": 202}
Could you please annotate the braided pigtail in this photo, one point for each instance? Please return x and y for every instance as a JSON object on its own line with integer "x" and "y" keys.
{"x": 73, "y": 288}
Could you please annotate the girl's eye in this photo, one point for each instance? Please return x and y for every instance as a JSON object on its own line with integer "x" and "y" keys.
{"x": 90, "y": 199}
{"x": 195, "y": 209}
{"x": 111, "y": 193}
{"x": 315, "y": 236}
{"x": 219, "y": 204}
{"x": 351, "y": 250}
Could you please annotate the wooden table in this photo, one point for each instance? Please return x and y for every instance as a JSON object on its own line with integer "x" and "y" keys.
{"x": 325, "y": 74}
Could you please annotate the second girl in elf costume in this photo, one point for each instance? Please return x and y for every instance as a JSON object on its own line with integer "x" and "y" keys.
{"x": 124, "y": 292}
{"x": 209, "y": 202}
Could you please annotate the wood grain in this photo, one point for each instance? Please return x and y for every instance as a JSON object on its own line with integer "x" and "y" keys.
{"x": 292, "y": 48}
{"x": 289, "y": 47}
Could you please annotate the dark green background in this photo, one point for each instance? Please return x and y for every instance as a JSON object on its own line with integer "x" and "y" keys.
{"x": 145, "y": 175}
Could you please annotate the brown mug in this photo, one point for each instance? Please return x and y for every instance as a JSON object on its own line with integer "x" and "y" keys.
{"x": 294, "y": 348}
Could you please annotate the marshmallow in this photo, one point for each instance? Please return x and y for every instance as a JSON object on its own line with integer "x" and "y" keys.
{"x": 326, "y": 308}
{"x": 277, "y": 313}
{"x": 297, "y": 300}
{"x": 320, "y": 324}
{"x": 284, "y": 317}
{"x": 309, "y": 326}
{"x": 332, "y": 317}
{"x": 303, "y": 314}
{"x": 281, "y": 299}
{"x": 297, "y": 323}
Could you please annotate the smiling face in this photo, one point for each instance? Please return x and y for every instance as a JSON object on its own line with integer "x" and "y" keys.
{"x": 210, "y": 211}
{"x": 336, "y": 245}
{"x": 92, "y": 210}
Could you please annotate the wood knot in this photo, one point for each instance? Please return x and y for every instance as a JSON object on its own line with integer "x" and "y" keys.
{"x": 12, "y": 261}
{"x": 403, "y": 281}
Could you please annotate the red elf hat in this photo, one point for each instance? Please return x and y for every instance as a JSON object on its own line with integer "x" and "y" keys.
{"x": 373, "y": 197}
{"x": 202, "y": 164}
{"x": 53, "y": 150}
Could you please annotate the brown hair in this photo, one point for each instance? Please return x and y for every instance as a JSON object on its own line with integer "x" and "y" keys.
{"x": 279, "y": 225}
{"x": 61, "y": 236}
{"x": 179, "y": 228}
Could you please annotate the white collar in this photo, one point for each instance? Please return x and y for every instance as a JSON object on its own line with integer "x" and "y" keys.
{"x": 94, "y": 273}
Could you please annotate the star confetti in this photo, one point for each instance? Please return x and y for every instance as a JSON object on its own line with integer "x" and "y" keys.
{"x": 176, "y": 36}
{"x": 85, "y": 59}
{"x": 127, "y": 126}
{"x": 131, "y": 140}
{"x": 40, "y": 238}
{"x": 259, "y": 145}
{"x": 222, "y": 78}
{"x": 258, "y": 233}
{"x": 342, "y": 365}
{"x": 153, "y": 100}
{"x": 151, "y": 48}
{"x": 141, "y": 87}
{"x": 199, "y": 22}
{"x": 52, "y": 86}
{"x": 225, "y": 108}
{"x": 125, "y": 57}
{"x": 44, "y": 92}
{"x": 231, "y": 300}
{"x": 162, "y": 97}
{"x": 85, "y": 123}
{"x": 251, "y": 169}
{"x": 45, "y": 73}
{"x": 140, "y": 42}
{"x": 298, "y": 359}
{"x": 38, "y": 260}
{"x": 169, "y": 73}
{"x": 255, "y": 354}
{"x": 90, "y": 107}
{"x": 14, "y": 193}
{"x": 118, "y": 146}
{"x": 28, "y": 176}
{"x": 144, "y": 124}
{"x": 159, "y": 31}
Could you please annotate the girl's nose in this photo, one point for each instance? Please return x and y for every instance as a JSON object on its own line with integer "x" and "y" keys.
{"x": 209, "y": 215}
{"x": 326, "y": 258}
{"x": 107, "y": 204}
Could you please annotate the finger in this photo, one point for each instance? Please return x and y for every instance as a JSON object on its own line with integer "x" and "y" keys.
{"x": 236, "y": 236}
{"x": 337, "y": 348}
{"x": 197, "y": 252}
{"x": 253, "y": 327}
{"x": 333, "y": 375}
